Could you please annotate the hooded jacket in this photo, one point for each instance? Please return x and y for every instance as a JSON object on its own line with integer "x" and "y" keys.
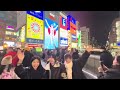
{"x": 30, "y": 73}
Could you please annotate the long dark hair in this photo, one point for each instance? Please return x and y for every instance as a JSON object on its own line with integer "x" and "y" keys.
{"x": 33, "y": 58}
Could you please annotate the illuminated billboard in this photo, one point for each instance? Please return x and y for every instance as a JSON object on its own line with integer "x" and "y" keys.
{"x": 63, "y": 32}
{"x": 34, "y": 32}
{"x": 37, "y": 14}
{"x": 51, "y": 34}
{"x": 79, "y": 38}
{"x": 22, "y": 34}
{"x": 72, "y": 27}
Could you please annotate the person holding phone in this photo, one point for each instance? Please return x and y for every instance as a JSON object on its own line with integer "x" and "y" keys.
{"x": 109, "y": 73}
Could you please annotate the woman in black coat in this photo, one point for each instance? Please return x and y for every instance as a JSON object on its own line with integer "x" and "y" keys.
{"x": 35, "y": 71}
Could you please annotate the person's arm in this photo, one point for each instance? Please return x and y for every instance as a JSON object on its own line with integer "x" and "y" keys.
{"x": 83, "y": 59}
{"x": 19, "y": 70}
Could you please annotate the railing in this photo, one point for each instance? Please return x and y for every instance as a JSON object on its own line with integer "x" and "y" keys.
{"x": 91, "y": 67}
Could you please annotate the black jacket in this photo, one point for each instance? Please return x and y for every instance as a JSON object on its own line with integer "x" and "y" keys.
{"x": 57, "y": 71}
{"x": 30, "y": 73}
{"x": 113, "y": 73}
{"x": 78, "y": 66}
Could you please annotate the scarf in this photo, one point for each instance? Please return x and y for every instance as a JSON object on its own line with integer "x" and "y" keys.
{"x": 68, "y": 67}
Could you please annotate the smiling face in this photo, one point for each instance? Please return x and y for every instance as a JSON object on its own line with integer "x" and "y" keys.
{"x": 35, "y": 64}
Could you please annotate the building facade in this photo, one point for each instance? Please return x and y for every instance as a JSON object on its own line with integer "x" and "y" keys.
{"x": 114, "y": 34}
{"x": 85, "y": 36}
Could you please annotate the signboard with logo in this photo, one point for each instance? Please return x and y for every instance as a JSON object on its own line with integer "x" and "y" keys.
{"x": 37, "y": 14}
{"x": 53, "y": 15}
{"x": 22, "y": 34}
{"x": 34, "y": 32}
{"x": 10, "y": 27}
{"x": 72, "y": 27}
{"x": 63, "y": 32}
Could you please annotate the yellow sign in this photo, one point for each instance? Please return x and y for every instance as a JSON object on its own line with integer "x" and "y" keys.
{"x": 69, "y": 40}
{"x": 22, "y": 35}
{"x": 34, "y": 27}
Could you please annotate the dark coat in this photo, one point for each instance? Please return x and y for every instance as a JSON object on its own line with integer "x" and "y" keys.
{"x": 78, "y": 66}
{"x": 30, "y": 73}
{"x": 57, "y": 72}
{"x": 113, "y": 73}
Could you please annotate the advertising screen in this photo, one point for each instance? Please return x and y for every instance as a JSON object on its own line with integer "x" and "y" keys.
{"x": 37, "y": 14}
{"x": 63, "y": 32}
{"x": 9, "y": 43}
{"x": 51, "y": 34}
{"x": 73, "y": 31}
{"x": 35, "y": 28}
{"x": 74, "y": 45}
{"x": 22, "y": 34}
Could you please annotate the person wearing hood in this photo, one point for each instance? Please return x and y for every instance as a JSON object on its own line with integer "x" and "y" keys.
{"x": 35, "y": 71}
{"x": 74, "y": 67}
{"x": 55, "y": 69}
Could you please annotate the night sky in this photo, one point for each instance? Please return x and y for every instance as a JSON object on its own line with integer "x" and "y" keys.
{"x": 99, "y": 22}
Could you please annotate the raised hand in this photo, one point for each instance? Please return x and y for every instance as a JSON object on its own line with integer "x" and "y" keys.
{"x": 21, "y": 56}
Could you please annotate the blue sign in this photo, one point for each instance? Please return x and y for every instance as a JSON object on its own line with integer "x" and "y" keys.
{"x": 68, "y": 22}
{"x": 118, "y": 44}
{"x": 63, "y": 41}
{"x": 71, "y": 19}
{"x": 63, "y": 21}
{"x": 74, "y": 37}
{"x": 29, "y": 40}
{"x": 37, "y": 14}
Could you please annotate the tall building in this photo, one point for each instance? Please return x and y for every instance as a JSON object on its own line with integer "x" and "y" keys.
{"x": 8, "y": 23}
{"x": 78, "y": 35}
{"x": 114, "y": 34}
{"x": 85, "y": 36}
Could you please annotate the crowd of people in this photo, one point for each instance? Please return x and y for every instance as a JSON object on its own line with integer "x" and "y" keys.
{"x": 55, "y": 64}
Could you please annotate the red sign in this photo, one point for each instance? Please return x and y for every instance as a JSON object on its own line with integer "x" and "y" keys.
{"x": 51, "y": 16}
{"x": 63, "y": 23}
{"x": 72, "y": 28}
{"x": 33, "y": 45}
